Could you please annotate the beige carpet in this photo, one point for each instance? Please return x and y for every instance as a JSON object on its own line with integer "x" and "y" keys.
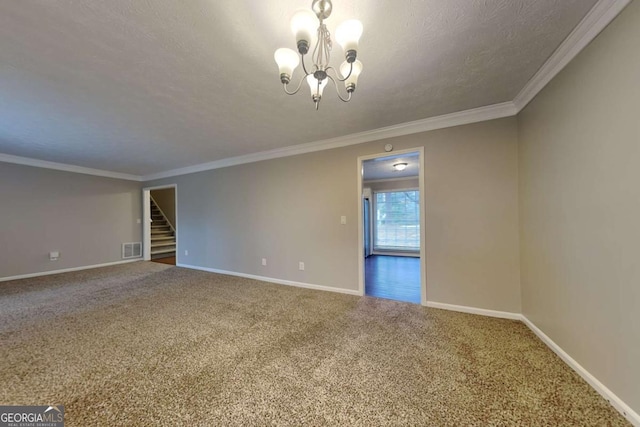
{"x": 150, "y": 344}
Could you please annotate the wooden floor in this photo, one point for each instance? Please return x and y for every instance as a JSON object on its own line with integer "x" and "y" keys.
{"x": 393, "y": 277}
{"x": 171, "y": 260}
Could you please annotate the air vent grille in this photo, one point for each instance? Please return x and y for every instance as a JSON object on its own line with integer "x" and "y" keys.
{"x": 131, "y": 250}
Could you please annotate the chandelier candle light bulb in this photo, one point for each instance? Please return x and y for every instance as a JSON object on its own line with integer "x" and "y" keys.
{"x": 352, "y": 71}
{"x": 303, "y": 25}
{"x": 317, "y": 87}
{"x": 348, "y": 36}
{"x": 287, "y": 61}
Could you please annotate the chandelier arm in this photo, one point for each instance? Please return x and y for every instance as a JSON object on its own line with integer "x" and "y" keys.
{"x": 297, "y": 89}
{"x": 348, "y": 98}
{"x": 338, "y": 74}
{"x": 304, "y": 68}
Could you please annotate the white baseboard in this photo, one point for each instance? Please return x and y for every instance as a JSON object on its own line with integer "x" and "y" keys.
{"x": 624, "y": 409}
{"x": 614, "y": 400}
{"x": 66, "y": 270}
{"x": 272, "y": 280}
{"x": 474, "y": 310}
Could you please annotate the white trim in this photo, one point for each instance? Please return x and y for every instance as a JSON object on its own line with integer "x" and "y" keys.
{"x": 591, "y": 25}
{"x": 474, "y": 310}
{"x": 272, "y": 280}
{"x": 624, "y": 409}
{"x": 375, "y": 181}
{"x": 66, "y": 270}
{"x": 396, "y": 251}
{"x": 7, "y": 158}
{"x": 146, "y": 220}
{"x": 481, "y": 114}
{"x": 411, "y": 254}
{"x": 360, "y": 245}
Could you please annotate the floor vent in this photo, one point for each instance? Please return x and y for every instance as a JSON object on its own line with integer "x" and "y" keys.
{"x": 131, "y": 250}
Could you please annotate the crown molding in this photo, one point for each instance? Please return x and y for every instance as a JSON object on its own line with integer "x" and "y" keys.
{"x": 588, "y": 29}
{"x": 7, "y": 158}
{"x": 591, "y": 25}
{"x": 481, "y": 114}
{"x": 375, "y": 181}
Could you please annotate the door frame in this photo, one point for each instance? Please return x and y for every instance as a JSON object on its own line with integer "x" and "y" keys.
{"x": 146, "y": 219}
{"x": 423, "y": 252}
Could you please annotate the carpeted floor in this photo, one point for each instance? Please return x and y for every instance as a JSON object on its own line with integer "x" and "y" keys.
{"x": 151, "y": 344}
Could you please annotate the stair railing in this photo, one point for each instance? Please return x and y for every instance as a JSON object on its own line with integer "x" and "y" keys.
{"x": 163, "y": 215}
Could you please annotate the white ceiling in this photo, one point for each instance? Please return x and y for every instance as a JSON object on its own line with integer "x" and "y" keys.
{"x": 141, "y": 87}
{"x": 382, "y": 167}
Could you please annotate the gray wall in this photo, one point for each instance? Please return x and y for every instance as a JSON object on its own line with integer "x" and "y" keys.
{"x": 288, "y": 210}
{"x": 86, "y": 218}
{"x": 580, "y": 208}
{"x": 166, "y": 200}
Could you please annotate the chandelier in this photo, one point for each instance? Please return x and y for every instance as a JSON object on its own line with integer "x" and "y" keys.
{"x": 303, "y": 24}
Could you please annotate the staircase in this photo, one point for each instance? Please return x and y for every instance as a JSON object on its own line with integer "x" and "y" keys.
{"x": 163, "y": 236}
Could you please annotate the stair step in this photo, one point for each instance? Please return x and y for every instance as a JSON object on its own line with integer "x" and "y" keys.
{"x": 162, "y": 251}
{"x": 163, "y": 239}
{"x": 163, "y": 244}
{"x": 153, "y": 238}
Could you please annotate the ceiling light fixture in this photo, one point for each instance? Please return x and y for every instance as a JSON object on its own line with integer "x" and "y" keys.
{"x": 400, "y": 166}
{"x": 303, "y": 24}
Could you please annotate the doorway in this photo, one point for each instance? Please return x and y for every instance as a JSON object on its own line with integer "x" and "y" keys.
{"x": 160, "y": 231}
{"x": 391, "y": 226}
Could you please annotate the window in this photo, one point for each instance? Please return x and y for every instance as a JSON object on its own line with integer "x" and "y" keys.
{"x": 397, "y": 221}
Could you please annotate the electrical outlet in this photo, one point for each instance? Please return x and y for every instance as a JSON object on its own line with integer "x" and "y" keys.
{"x": 343, "y": 220}
{"x": 264, "y": 261}
{"x": 186, "y": 252}
{"x": 301, "y": 266}
{"x": 53, "y": 256}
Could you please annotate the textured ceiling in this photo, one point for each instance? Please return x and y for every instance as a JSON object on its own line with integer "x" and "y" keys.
{"x": 382, "y": 167}
{"x": 146, "y": 86}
